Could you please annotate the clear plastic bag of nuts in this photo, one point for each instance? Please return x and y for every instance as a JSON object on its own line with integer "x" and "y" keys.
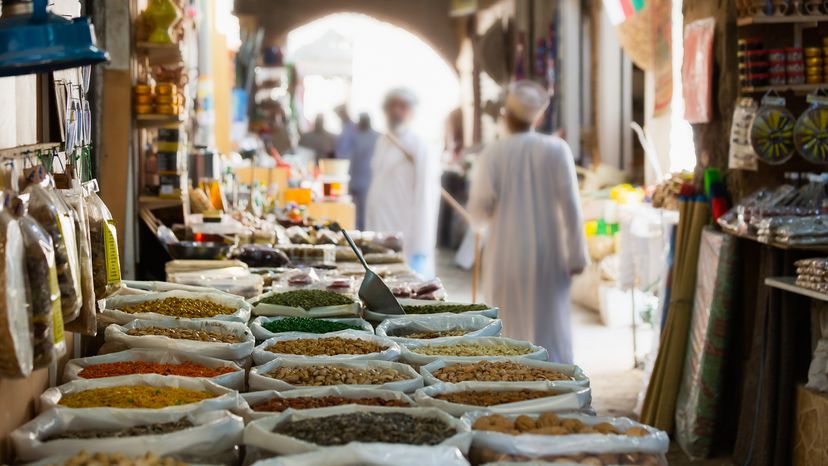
{"x": 104, "y": 242}
{"x": 16, "y": 359}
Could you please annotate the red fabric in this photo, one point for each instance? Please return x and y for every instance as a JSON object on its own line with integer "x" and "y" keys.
{"x": 697, "y": 70}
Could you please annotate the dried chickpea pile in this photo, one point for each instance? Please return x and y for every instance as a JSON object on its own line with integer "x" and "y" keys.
{"x": 186, "y": 334}
{"x": 331, "y": 346}
{"x": 550, "y": 424}
{"x": 430, "y": 335}
{"x": 309, "y": 402}
{"x": 180, "y": 307}
{"x": 117, "y": 459}
{"x": 471, "y": 349}
{"x": 133, "y": 396}
{"x": 491, "y": 397}
{"x": 326, "y": 374}
{"x": 497, "y": 371}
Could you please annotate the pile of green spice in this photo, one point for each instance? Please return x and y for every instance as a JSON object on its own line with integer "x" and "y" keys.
{"x": 308, "y": 299}
{"x": 442, "y": 308}
{"x": 307, "y": 325}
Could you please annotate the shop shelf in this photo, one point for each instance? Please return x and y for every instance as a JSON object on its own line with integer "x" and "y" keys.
{"x": 798, "y": 88}
{"x": 789, "y": 19}
{"x": 789, "y": 284}
{"x": 156, "y": 202}
{"x": 152, "y": 120}
{"x": 161, "y": 54}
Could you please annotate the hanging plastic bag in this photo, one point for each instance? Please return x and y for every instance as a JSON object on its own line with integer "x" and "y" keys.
{"x": 15, "y": 329}
{"x": 86, "y": 323}
{"x": 104, "y": 240}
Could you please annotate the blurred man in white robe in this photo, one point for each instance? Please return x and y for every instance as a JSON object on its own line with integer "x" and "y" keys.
{"x": 525, "y": 192}
{"x": 405, "y": 185}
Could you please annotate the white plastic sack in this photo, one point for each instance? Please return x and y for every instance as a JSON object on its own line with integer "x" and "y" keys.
{"x": 472, "y": 325}
{"x": 225, "y": 399}
{"x": 261, "y": 333}
{"x": 411, "y": 357}
{"x": 577, "y": 374}
{"x": 228, "y": 351}
{"x": 159, "y": 287}
{"x": 569, "y": 398}
{"x": 256, "y": 380}
{"x": 537, "y": 446}
{"x": 214, "y": 432}
{"x": 236, "y": 281}
{"x": 377, "y": 317}
{"x": 345, "y": 391}
{"x": 259, "y": 433}
{"x": 391, "y": 351}
{"x": 264, "y": 309}
{"x": 112, "y": 315}
{"x": 374, "y": 454}
{"x": 234, "y": 380}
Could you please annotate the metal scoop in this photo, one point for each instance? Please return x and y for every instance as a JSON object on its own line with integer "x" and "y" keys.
{"x": 373, "y": 290}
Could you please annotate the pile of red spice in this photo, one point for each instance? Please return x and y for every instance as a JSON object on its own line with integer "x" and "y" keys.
{"x": 115, "y": 369}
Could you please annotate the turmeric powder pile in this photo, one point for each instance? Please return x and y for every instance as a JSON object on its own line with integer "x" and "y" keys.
{"x": 133, "y": 396}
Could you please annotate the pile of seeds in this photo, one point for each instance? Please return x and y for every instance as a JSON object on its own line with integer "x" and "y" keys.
{"x": 497, "y": 371}
{"x": 472, "y": 349}
{"x": 186, "y": 334}
{"x": 369, "y": 427}
{"x": 550, "y": 424}
{"x": 135, "y": 431}
{"x": 185, "y": 369}
{"x": 443, "y": 308}
{"x": 133, "y": 396}
{"x": 429, "y": 335}
{"x": 308, "y": 299}
{"x": 118, "y": 459}
{"x": 328, "y": 374}
{"x": 325, "y": 346}
{"x": 306, "y": 325}
{"x": 491, "y": 397}
{"x": 180, "y": 307}
{"x": 309, "y": 402}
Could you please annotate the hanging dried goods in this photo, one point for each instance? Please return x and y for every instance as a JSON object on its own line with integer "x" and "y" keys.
{"x": 133, "y": 396}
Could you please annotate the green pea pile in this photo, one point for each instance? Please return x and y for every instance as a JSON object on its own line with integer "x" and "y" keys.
{"x": 308, "y": 299}
{"x": 306, "y": 325}
{"x": 442, "y": 308}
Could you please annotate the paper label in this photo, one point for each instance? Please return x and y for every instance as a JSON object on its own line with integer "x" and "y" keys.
{"x": 113, "y": 265}
{"x": 57, "y": 310}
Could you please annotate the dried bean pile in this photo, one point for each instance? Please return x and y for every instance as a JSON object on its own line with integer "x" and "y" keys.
{"x": 117, "y": 459}
{"x": 443, "y": 308}
{"x": 331, "y": 346}
{"x": 491, "y": 397}
{"x": 135, "y": 431}
{"x": 115, "y": 369}
{"x": 429, "y": 335}
{"x": 306, "y": 325}
{"x": 186, "y": 334}
{"x": 326, "y": 374}
{"x": 133, "y": 396}
{"x": 550, "y": 424}
{"x": 369, "y": 427}
{"x": 497, "y": 371}
{"x": 180, "y": 307}
{"x": 472, "y": 349}
{"x": 309, "y": 402}
{"x": 308, "y": 299}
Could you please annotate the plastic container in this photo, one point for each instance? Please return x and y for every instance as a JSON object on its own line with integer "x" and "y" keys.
{"x": 334, "y": 167}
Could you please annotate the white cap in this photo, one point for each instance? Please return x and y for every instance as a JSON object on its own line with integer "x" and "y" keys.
{"x": 401, "y": 94}
{"x": 526, "y": 100}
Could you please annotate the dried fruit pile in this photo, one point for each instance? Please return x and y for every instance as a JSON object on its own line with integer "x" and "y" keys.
{"x": 491, "y": 397}
{"x": 310, "y": 402}
{"x": 115, "y": 369}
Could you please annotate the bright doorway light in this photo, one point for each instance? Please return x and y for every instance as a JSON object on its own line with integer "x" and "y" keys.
{"x": 682, "y": 148}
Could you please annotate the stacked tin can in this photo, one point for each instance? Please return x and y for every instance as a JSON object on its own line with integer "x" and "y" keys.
{"x": 777, "y": 67}
{"x": 753, "y": 63}
{"x": 795, "y": 65}
{"x": 813, "y": 65}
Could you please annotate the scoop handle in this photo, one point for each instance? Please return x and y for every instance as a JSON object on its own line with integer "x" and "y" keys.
{"x": 357, "y": 251}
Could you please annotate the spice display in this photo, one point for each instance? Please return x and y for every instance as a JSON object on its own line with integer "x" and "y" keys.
{"x": 117, "y": 459}
{"x": 44, "y": 296}
{"x": 180, "y": 307}
{"x": 472, "y": 349}
{"x": 491, "y": 397}
{"x": 278, "y": 405}
{"x": 428, "y": 335}
{"x": 550, "y": 424}
{"x": 444, "y": 308}
{"x": 103, "y": 238}
{"x": 369, "y": 427}
{"x": 308, "y": 299}
{"x": 115, "y": 369}
{"x": 497, "y": 371}
{"x": 327, "y": 374}
{"x": 186, "y": 334}
{"x": 307, "y": 325}
{"x": 331, "y": 346}
{"x": 134, "y": 431}
{"x": 133, "y": 396}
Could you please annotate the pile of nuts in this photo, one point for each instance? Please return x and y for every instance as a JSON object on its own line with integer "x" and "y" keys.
{"x": 330, "y": 346}
{"x": 330, "y": 374}
{"x": 180, "y": 307}
{"x": 186, "y": 334}
{"x": 491, "y": 397}
{"x": 278, "y": 404}
{"x": 497, "y": 371}
{"x": 550, "y": 424}
{"x": 430, "y": 335}
{"x": 472, "y": 349}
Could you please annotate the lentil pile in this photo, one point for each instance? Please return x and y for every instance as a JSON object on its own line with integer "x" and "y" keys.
{"x": 550, "y": 424}
{"x": 491, "y": 397}
{"x": 278, "y": 405}
{"x": 327, "y": 374}
{"x": 497, "y": 371}
{"x": 429, "y": 335}
{"x": 325, "y": 346}
{"x": 180, "y": 307}
{"x": 117, "y": 459}
{"x": 135, "y": 431}
{"x": 472, "y": 349}
{"x": 307, "y": 325}
{"x": 133, "y": 396}
{"x": 308, "y": 299}
{"x": 186, "y": 369}
{"x": 369, "y": 427}
{"x": 186, "y": 334}
{"x": 443, "y": 308}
